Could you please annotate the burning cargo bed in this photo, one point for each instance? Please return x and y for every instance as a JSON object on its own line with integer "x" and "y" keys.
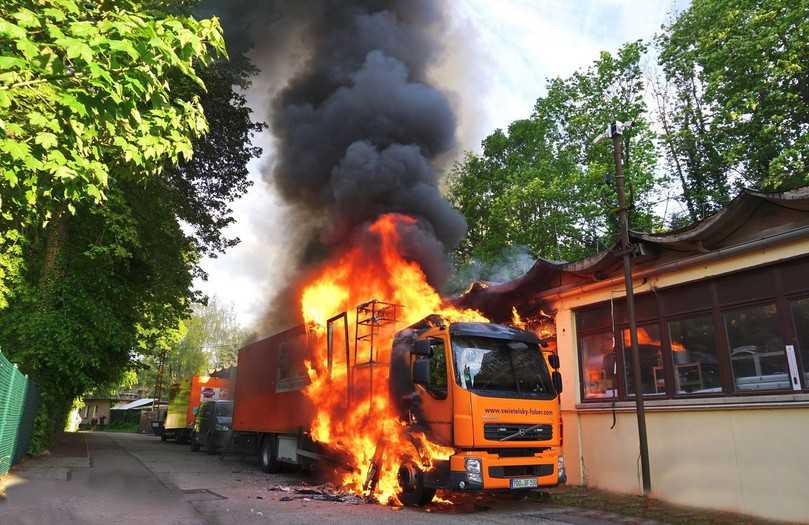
{"x": 270, "y": 409}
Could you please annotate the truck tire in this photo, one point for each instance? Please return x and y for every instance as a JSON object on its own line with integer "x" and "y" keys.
{"x": 163, "y": 436}
{"x": 411, "y": 481}
{"x": 268, "y": 454}
{"x": 194, "y": 442}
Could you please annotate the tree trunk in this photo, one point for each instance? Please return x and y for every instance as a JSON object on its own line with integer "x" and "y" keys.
{"x": 56, "y": 235}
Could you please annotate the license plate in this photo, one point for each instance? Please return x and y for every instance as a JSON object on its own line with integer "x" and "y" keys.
{"x": 524, "y": 483}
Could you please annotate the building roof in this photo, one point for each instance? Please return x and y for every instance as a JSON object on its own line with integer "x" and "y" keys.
{"x": 751, "y": 216}
{"x": 134, "y": 405}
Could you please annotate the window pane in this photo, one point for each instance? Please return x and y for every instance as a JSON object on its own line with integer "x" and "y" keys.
{"x": 800, "y": 313}
{"x": 598, "y": 365}
{"x": 438, "y": 366}
{"x": 756, "y": 348}
{"x": 652, "y": 375}
{"x": 696, "y": 367}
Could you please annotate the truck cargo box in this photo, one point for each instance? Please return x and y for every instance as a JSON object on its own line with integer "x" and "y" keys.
{"x": 269, "y": 394}
{"x": 187, "y": 395}
{"x": 205, "y": 388}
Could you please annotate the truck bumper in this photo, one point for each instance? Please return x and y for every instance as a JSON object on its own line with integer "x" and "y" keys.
{"x": 543, "y": 469}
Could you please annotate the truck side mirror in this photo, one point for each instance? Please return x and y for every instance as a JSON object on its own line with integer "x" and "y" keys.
{"x": 556, "y": 377}
{"x": 421, "y": 372}
{"x": 421, "y": 348}
{"x": 553, "y": 359}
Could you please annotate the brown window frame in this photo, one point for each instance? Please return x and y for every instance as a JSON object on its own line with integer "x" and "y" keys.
{"x": 784, "y": 321}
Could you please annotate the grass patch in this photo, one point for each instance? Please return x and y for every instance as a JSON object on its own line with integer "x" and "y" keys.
{"x": 646, "y": 508}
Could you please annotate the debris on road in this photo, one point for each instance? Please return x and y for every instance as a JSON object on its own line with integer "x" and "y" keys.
{"x": 317, "y": 493}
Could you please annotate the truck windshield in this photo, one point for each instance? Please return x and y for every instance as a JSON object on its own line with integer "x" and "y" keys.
{"x": 224, "y": 409}
{"x": 500, "y": 367}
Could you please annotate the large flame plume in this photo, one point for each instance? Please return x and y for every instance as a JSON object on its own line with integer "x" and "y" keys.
{"x": 368, "y": 434}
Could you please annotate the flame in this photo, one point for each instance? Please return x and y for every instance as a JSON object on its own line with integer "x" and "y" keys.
{"x": 367, "y": 433}
{"x": 644, "y": 338}
{"x": 516, "y": 320}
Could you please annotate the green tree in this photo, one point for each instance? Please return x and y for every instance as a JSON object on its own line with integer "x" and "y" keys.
{"x": 208, "y": 340}
{"x": 106, "y": 284}
{"x": 740, "y": 104}
{"x": 83, "y": 93}
{"x": 541, "y": 184}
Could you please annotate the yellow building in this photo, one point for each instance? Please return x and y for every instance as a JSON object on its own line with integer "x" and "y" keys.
{"x": 723, "y": 317}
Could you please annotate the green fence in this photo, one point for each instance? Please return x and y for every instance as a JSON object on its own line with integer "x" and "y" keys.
{"x": 18, "y": 404}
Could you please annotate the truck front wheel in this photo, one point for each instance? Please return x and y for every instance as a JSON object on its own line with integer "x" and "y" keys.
{"x": 411, "y": 481}
{"x": 268, "y": 454}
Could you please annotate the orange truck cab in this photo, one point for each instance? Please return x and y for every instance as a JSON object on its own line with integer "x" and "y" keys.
{"x": 486, "y": 391}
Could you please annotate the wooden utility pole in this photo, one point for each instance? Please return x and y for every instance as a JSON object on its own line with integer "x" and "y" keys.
{"x": 615, "y": 132}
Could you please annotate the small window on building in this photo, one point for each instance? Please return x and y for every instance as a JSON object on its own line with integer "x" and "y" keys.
{"x": 652, "y": 373}
{"x": 756, "y": 348}
{"x": 800, "y": 315}
{"x": 693, "y": 349}
{"x": 598, "y": 365}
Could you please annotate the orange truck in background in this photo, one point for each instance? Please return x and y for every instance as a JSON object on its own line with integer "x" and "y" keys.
{"x": 485, "y": 390}
{"x": 184, "y": 401}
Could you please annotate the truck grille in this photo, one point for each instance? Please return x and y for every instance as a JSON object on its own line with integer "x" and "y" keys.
{"x": 516, "y": 471}
{"x": 496, "y": 432}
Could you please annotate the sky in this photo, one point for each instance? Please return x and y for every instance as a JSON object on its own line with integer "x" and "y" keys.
{"x": 498, "y": 55}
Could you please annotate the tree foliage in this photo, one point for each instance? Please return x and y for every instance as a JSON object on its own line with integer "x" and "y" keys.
{"x": 735, "y": 98}
{"x": 109, "y": 279}
{"x": 208, "y": 340}
{"x": 83, "y": 92}
{"x": 541, "y": 184}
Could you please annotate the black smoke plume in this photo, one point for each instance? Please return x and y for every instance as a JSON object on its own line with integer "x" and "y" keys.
{"x": 358, "y": 127}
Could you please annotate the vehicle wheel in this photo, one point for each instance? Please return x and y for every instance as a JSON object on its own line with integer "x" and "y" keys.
{"x": 163, "y": 436}
{"x": 268, "y": 454}
{"x": 414, "y": 493}
{"x": 194, "y": 442}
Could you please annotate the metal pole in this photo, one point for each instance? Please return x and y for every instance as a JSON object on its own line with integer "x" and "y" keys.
{"x": 626, "y": 250}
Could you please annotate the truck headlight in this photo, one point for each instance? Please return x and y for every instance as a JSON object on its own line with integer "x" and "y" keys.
{"x": 473, "y": 471}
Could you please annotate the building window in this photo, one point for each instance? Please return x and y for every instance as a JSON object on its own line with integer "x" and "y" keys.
{"x": 693, "y": 349}
{"x": 800, "y": 316}
{"x": 652, "y": 373}
{"x": 599, "y": 365}
{"x": 757, "y": 355}
{"x": 723, "y": 335}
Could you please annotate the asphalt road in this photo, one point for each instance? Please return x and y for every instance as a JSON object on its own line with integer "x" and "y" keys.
{"x": 133, "y": 479}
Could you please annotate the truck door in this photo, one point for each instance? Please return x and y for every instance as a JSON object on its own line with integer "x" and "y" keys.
{"x": 436, "y": 401}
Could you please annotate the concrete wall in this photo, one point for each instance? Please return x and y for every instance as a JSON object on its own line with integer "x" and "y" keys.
{"x": 753, "y": 460}
{"x": 736, "y": 454}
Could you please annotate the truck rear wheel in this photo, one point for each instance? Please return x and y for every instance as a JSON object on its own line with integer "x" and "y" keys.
{"x": 268, "y": 454}
{"x": 411, "y": 481}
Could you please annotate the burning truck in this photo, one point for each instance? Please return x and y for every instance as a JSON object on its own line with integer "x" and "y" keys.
{"x": 398, "y": 399}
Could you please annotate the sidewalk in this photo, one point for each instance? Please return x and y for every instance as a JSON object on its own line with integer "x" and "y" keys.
{"x": 69, "y": 451}
{"x": 90, "y": 479}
